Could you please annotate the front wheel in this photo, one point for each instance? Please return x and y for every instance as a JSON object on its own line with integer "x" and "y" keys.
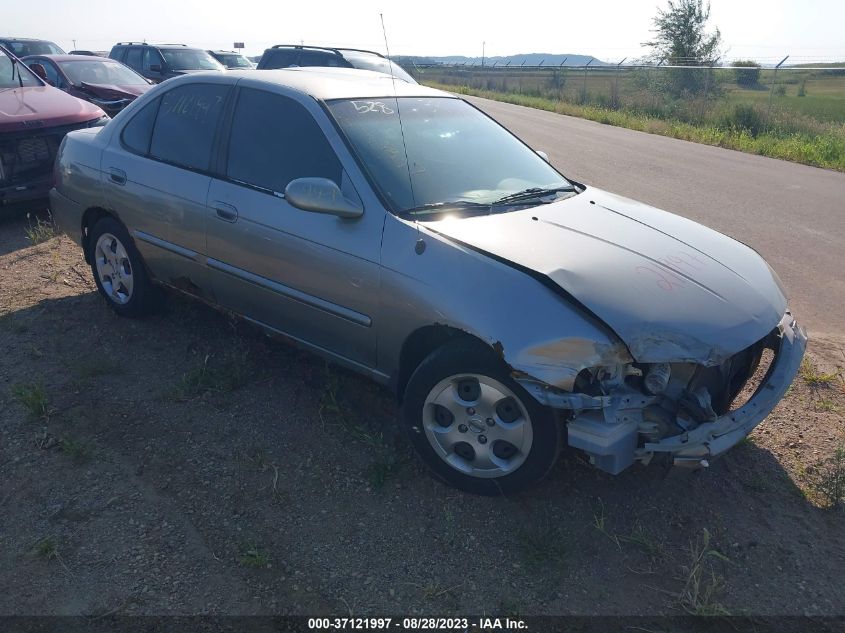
{"x": 474, "y": 426}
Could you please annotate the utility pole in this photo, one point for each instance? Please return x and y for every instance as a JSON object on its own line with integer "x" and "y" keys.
{"x": 483, "y": 49}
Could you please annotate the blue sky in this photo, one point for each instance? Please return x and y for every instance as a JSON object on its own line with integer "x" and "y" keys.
{"x": 609, "y": 29}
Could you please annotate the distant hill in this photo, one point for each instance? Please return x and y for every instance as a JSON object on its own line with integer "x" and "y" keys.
{"x": 527, "y": 59}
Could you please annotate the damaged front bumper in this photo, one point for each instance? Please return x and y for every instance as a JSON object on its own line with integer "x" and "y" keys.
{"x": 610, "y": 429}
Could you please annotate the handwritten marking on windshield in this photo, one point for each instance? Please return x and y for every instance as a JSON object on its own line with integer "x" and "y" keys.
{"x": 362, "y": 107}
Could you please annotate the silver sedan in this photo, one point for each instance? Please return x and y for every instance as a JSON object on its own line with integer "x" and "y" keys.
{"x": 399, "y": 231}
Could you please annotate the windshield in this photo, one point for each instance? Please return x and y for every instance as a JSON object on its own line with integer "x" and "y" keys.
{"x": 368, "y": 61}
{"x": 101, "y": 72}
{"x": 34, "y": 47}
{"x": 189, "y": 59}
{"x": 13, "y": 75}
{"x": 455, "y": 152}
{"x": 233, "y": 61}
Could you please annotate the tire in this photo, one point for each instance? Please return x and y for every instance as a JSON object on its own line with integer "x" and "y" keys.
{"x": 119, "y": 271}
{"x": 474, "y": 426}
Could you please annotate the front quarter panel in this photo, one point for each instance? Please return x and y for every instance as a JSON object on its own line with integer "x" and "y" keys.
{"x": 535, "y": 330}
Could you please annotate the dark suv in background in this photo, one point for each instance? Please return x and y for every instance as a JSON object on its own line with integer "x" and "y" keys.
{"x": 158, "y": 62}
{"x": 23, "y": 46}
{"x": 287, "y": 55}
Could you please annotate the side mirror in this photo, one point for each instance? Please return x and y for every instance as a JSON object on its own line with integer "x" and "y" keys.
{"x": 321, "y": 195}
{"x": 155, "y": 68}
{"x": 543, "y": 155}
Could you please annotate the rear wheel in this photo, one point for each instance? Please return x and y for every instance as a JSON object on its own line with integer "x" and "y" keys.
{"x": 119, "y": 271}
{"x": 474, "y": 426}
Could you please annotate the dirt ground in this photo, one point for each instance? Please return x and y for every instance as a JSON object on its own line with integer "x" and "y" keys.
{"x": 187, "y": 464}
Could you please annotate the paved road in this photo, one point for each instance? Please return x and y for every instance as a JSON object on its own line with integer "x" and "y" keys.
{"x": 792, "y": 214}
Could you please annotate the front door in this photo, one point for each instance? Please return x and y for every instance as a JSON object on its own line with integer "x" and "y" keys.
{"x": 311, "y": 276}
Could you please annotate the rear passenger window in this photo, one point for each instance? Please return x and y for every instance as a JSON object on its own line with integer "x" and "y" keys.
{"x": 137, "y": 133}
{"x": 275, "y": 140}
{"x": 186, "y": 122}
{"x": 282, "y": 58}
{"x": 311, "y": 58}
{"x": 133, "y": 58}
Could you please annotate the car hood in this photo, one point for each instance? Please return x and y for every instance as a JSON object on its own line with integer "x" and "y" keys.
{"x": 32, "y": 108}
{"x": 671, "y": 289}
{"x": 113, "y": 91}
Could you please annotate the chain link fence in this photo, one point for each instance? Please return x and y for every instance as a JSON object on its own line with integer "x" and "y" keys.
{"x": 751, "y": 96}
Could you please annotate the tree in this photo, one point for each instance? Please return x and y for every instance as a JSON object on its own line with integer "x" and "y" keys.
{"x": 748, "y": 78}
{"x": 681, "y": 39}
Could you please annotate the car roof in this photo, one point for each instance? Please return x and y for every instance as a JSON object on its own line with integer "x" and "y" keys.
{"x": 335, "y": 83}
{"x": 25, "y": 39}
{"x": 75, "y": 58}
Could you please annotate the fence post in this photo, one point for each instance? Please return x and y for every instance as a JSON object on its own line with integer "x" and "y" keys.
{"x": 584, "y": 89}
{"x": 707, "y": 86}
{"x": 615, "y": 100}
{"x": 772, "y": 89}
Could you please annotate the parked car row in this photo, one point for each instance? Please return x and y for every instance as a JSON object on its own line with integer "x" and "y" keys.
{"x": 111, "y": 83}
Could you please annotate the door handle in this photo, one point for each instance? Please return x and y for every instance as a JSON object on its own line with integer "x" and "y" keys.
{"x": 117, "y": 176}
{"x": 225, "y": 211}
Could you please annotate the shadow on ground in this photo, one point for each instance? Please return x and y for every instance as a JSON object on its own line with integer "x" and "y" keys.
{"x": 187, "y": 463}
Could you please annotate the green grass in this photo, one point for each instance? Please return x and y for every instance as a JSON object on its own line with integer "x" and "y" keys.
{"x": 825, "y": 149}
{"x": 210, "y": 375}
{"x": 253, "y": 556}
{"x": 702, "y": 586}
{"x": 79, "y": 451}
{"x": 544, "y": 545}
{"x": 47, "y": 548}
{"x": 814, "y": 377}
{"x": 40, "y": 231}
{"x": 830, "y": 482}
{"x": 33, "y": 398}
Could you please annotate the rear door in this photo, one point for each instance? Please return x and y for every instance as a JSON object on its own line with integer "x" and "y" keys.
{"x": 157, "y": 179}
{"x": 311, "y": 276}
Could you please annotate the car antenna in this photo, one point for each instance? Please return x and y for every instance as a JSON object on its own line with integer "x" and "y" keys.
{"x": 420, "y": 246}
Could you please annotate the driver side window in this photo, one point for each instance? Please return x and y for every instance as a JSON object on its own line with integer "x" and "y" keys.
{"x": 275, "y": 140}
{"x": 152, "y": 57}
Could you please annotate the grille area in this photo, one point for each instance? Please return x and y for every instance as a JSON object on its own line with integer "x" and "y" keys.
{"x": 28, "y": 156}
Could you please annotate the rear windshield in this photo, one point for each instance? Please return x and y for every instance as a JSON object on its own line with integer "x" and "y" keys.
{"x": 101, "y": 72}
{"x": 233, "y": 61}
{"x": 369, "y": 61}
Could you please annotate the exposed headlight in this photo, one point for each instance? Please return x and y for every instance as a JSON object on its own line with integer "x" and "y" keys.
{"x": 99, "y": 122}
{"x": 657, "y": 378}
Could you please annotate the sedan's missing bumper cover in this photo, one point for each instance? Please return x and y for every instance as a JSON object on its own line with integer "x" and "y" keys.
{"x": 713, "y": 438}
{"x": 613, "y": 429}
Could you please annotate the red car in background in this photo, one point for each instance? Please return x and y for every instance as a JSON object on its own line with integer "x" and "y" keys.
{"x": 102, "y": 81}
{"x": 34, "y": 118}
